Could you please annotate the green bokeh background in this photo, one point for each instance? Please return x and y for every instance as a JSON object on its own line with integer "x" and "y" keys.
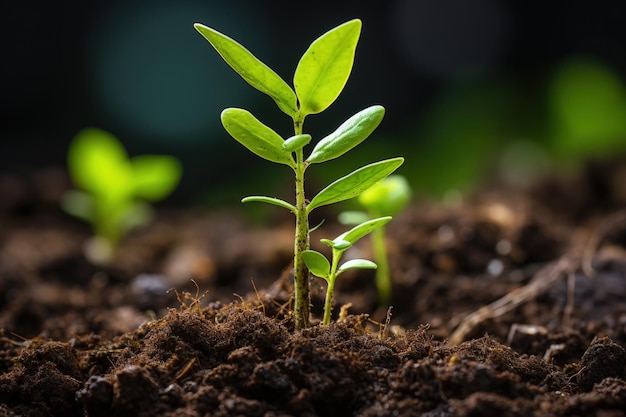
{"x": 474, "y": 91}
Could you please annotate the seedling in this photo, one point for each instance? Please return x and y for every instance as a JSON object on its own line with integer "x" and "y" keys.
{"x": 114, "y": 189}
{"x": 320, "y": 76}
{"x": 321, "y": 267}
{"x": 385, "y": 198}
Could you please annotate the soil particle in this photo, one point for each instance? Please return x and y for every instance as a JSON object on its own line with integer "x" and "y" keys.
{"x": 44, "y": 380}
{"x": 96, "y": 396}
{"x": 603, "y": 359}
{"x": 135, "y": 392}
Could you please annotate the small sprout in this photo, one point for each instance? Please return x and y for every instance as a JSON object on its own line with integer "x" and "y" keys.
{"x": 114, "y": 190}
{"x": 330, "y": 270}
{"x": 320, "y": 76}
{"x": 386, "y": 198}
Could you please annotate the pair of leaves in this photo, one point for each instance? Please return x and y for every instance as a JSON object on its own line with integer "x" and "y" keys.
{"x": 266, "y": 143}
{"x": 320, "y": 266}
{"x": 111, "y": 182}
{"x": 320, "y": 76}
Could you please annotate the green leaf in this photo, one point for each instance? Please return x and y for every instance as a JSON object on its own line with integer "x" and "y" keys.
{"x": 155, "y": 176}
{"x": 352, "y": 132}
{"x": 356, "y": 264}
{"x": 587, "y": 106}
{"x": 317, "y": 263}
{"x": 269, "y": 200}
{"x": 254, "y": 135}
{"x": 353, "y": 217}
{"x": 325, "y": 67}
{"x": 357, "y": 232}
{"x": 135, "y": 215}
{"x": 296, "y": 142}
{"x": 354, "y": 183}
{"x": 79, "y": 204}
{"x": 251, "y": 69}
{"x": 387, "y": 197}
{"x": 340, "y": 245}
{"x": 98, "y": 163}
{"x": 327, "y": 242}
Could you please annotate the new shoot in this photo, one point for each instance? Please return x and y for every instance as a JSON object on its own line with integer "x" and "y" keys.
{"x": 386, "y": 198}
{"x": 115, "y": 190}
{"x": 319, "y": 78}
{"x": 329, "y": 271}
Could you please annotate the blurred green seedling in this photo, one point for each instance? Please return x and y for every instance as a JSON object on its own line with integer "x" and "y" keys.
{"x": 320, "y": 266}
{"x": 319, "y": 78}
{"x": 114, "y": 191}
{"x": 386, "y": 198}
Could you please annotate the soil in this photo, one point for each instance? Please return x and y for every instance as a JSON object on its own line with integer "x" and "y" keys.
{"x": 511, "y": 302}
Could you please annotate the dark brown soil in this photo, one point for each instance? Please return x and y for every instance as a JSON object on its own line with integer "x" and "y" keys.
{"x": 511, "y": 303}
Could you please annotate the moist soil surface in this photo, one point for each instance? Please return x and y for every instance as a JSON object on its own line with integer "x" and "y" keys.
{"x": 511, "y": 302}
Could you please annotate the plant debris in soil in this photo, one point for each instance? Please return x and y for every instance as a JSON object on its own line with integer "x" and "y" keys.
{"x": 510, "y": 303}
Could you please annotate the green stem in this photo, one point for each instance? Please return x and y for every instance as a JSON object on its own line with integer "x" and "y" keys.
{"x": 107, "y": 224}
{"x": 328, "y": 303}
{"x": 302, "y": 298}
{"x": 383, "y": 278}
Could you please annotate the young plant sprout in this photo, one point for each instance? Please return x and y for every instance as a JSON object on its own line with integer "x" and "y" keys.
{"x": 385, "y": 198}
{"x": 319, "y": 78}
{"x": 114, "y": 189}
{"x": 321, "y": 267}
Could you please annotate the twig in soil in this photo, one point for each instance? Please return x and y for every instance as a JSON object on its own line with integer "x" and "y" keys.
{"x": 24, "y": 343}
{"x": 542, "y": 280}
{"x": 581, "y": 370}
{"x": 382, "y": 327}
{"x": 569, "y": 305}
{"x": 579, "y": 258}
{"x": 258, "y": 297}
{"x": 383, "y": 331}
{"x": 186, "y": 369}
{"x": 551, "y": 352}
{"x": 615, "y": 221}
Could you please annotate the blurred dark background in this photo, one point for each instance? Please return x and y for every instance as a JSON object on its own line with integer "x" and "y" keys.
{"x": 473, "y": 89}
